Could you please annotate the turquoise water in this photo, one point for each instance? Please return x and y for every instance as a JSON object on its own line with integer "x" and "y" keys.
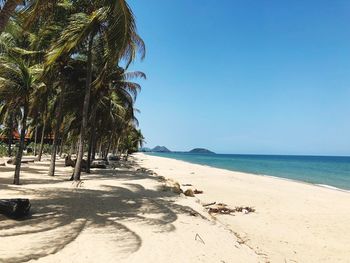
{"x": 329, "y": 171}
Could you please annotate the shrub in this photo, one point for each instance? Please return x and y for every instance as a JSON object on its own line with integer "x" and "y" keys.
{"x": 3, "y": 149}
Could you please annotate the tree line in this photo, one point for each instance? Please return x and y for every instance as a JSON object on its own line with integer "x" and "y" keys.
{"x": 64, "y": 74}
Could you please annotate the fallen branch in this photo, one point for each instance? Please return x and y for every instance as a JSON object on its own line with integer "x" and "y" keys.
{"x": 245, "y": 210}
{"x": 195, "y": 238}
{"x": 221, "y": 210}
{"x": 213, "y": 203}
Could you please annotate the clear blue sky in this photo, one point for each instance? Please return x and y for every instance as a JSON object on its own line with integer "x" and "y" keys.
{"x": 246, "y": 76}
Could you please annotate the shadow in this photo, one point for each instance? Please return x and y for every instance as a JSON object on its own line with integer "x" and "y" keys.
{"x": 60, "y": 214}
{"x": 120, "y": 174}
{"x": 24, "y": 168}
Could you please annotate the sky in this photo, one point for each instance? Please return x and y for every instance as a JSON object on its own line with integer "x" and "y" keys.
{"x": 250, "y": 77}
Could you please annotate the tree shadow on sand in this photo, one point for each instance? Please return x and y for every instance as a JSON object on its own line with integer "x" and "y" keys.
{"x": 61, "y": 215}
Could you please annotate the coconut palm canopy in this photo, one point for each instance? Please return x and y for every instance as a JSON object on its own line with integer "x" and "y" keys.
{"x": 60, "y": 77}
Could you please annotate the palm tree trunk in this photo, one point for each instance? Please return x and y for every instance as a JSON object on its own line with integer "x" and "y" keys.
{"x": 91, "y": 142}
{"x": 77, "y": 168}
{"x": 21, "y": 146}
{"x": 91, "y": 139}
{"x": 9, "y": 136}
{"x": 42, "y": 140}
{"x": 117, "y": 147}
{"x": 88, "y": 162}
{"x": 56, "y": 132}
{"x": 107, "y": 150}
{"x": 61, "y": 146}
{"x": 6, "y": 12}
{"x": 100, "y": 150}
{"x": 71, "y": 148}
{"x": 35, "y": 139}
{"x": 76, "y": 148}
{"x": 94, "y": 145}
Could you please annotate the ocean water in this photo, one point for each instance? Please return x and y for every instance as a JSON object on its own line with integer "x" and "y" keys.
{"x": 328, "y": 171}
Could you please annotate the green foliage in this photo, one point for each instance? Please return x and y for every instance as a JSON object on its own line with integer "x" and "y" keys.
{"x": 3, "y": 149}
{"x": 53, "y": 54}
{"x": 46, "y": 148}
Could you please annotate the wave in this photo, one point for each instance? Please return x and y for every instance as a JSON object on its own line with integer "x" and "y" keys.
{"x": 333, "y": 187}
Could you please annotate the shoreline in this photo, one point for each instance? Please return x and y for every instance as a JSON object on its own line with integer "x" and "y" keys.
{"x": 330, "y": 187}
{"x": 294, "y": 221}
{"x": 129, "y": 213}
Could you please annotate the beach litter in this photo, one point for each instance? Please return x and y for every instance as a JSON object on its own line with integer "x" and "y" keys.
{"x": 189, "y": 192}
{"x": 224, "y": 210}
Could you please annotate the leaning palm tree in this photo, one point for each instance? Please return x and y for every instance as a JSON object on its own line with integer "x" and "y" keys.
{"x": 18, "y": 80}
{"x": 33, "y": 8}
{"x": 114, "y": 22}
{"x": 7, "y": 11}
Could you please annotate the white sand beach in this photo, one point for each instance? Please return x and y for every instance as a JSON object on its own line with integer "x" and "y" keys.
{"x": 294, "y": 222}
{"x": 125, "y": 215}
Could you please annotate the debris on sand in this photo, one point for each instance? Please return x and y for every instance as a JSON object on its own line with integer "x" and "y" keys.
{"x": 220, "y": 210}
{"x": 171, "y": 185}
{"x": 209, "y": 204}
{"x": 142, "y": 170}
{"x": 245, "y": 210}
{"x": 189, "y": 192}
{"x": 196, "y": 192}
{"x": 223, "y": 209}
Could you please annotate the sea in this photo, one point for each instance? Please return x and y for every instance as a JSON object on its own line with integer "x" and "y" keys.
{"x": 327, "y": 171}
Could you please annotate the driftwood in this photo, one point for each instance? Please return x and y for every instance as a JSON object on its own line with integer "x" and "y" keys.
{"x": 13, "y": 161}
{"x": 15, "y": 208}
{"x": 223, "y": 209}
{"x": 196, "y": 192}
{"x": 198, "y": 237}
{"x": 213, "y": 203}
{"x": 189, "y": 192}
{"x": 98, "y": 165}
{"x": 245, "y": 210}
{"x": 220, "y": 210}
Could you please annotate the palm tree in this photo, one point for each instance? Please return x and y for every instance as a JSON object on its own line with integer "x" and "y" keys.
{"x": 90, "y": 38}
{"x": 114, "y": 22}
{"x": 7, "y": 11}
{"x": 33, "y": 9}
{"x": 18, "y": 80}
{"x": 9, "y": 116}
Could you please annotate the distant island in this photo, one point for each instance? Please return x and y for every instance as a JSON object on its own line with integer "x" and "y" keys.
{"x": 163, "y": 149}
{"x": 200, "y": 150}
{"x": 160, "y": 149}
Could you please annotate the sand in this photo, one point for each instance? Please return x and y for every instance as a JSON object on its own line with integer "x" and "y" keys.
{"x": 294, "y": 222}
{"x": 116, "y": 215}
{"x": 125, "y": 215}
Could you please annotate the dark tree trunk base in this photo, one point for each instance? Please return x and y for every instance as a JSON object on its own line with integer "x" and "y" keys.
{"x": 14, "y": 208}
